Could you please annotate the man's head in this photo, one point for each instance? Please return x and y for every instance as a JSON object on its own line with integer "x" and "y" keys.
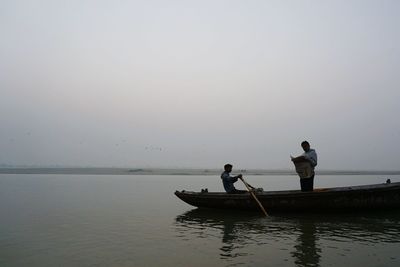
{"x": 305, "y": 145}
{"x": 228, "y": 167}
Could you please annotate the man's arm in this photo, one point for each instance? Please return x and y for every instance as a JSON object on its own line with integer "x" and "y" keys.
{"x": 312, "y": 158}
{"x": 233, "y": 179}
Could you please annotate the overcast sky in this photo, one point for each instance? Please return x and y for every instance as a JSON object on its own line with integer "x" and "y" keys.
{"x": 200, "y": 83}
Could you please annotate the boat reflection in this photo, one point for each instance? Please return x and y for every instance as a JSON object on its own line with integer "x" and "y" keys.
{"x": 247, "y": 235}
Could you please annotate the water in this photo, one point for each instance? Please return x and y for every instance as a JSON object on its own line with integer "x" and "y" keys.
{"x": 105, "y": 220}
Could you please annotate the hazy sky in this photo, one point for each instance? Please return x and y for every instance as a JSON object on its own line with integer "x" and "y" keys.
{"x": 200, "y": 83}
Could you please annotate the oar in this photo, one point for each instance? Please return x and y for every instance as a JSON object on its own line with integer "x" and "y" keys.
{"x": 254, "y": 196}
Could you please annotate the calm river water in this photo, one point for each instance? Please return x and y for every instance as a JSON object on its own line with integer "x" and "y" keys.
{"x": 104, "y": 220}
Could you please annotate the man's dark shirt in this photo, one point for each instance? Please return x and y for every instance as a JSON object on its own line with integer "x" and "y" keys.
{"x": 228, "y": 181}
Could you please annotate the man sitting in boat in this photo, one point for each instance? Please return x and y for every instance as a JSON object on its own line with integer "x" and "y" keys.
{"x": 228, "y": 180}
{"x": 305, "y": 165}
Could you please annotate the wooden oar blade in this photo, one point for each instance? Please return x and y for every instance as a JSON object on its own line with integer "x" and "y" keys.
{"x": 254, "y": 196}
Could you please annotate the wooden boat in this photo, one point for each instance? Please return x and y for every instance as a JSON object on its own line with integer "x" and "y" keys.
{"x": 354, "y": 198}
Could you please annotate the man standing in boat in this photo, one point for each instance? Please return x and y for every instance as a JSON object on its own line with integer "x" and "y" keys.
{"x": 305, "y": 165}
{"x": 228, "y": 180}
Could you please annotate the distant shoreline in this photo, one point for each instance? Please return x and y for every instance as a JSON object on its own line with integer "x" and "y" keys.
{"x": 155, "y": 171}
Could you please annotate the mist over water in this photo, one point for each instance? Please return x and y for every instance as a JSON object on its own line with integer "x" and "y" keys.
{"x": 199, "y": 84}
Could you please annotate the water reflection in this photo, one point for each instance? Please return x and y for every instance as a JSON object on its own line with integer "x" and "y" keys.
{"x": 303, "y": 237}
{"x": 229, "y": 239}
{"x": 199, "y": 223}
{"x": 306, "y": 252}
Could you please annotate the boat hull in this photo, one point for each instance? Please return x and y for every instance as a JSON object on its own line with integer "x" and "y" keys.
{"x": 368, "y": 197}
